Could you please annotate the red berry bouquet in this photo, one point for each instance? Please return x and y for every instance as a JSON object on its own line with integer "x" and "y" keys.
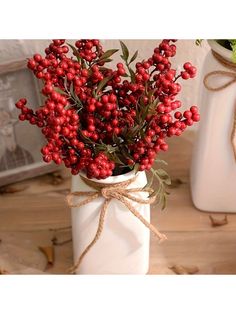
{"x": 105, "y": 121}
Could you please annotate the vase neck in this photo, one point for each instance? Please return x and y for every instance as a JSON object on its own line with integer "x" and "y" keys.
{"x": 99, "y": 186}
{"x": 112, "y": 179}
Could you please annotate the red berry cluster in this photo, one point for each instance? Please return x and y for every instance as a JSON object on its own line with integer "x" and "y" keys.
{"x": 95, "y": 119}
{"x": 190, "y": 71}
{"x": 89, "y": 50}
{"x": 100, "y": 167}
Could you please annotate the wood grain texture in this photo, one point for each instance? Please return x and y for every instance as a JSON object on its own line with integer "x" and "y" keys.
{"x": 27, "y": 218}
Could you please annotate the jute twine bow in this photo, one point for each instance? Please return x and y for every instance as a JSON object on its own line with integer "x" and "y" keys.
{"x": 220, "y": 73}
{"x": 213, "y": 88}
{"x": 116, "y": 191}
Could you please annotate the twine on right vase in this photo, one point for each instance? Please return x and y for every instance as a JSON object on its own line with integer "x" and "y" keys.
{"x": 230, "y": 74}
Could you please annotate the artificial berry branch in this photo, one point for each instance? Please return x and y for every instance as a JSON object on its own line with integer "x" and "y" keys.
{"x": 102, "y": 120}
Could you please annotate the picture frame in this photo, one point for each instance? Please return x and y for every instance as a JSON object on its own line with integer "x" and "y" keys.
{"x": 20, "y": 143}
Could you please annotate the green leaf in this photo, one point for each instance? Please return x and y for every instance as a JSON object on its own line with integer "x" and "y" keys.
{"x": 133, "y": 131}
{"x": 106, "y": 60}
{"x": 73, "y": 95}
{"x": 234, "y": 55}
{"x": 151, "y": 93}
{"x": 198, "y": 42}
{"x": 65, "y": 85}
{"x": 233, "y": 46}
{"x": 161, "y": 161}
{"x": 86, "y": 139}
{"x": 117, "y": 140}
{"x": 132, "y": 75}
{"x": 136, "y": 168}
{"x": 78, "y": 101}
{"x": 167, "y": 181}
{"x": 163, "y": 179}
{"x": 124, "y": 131}
{"x": 125, "y": 51}
{"x": 102, "y": 83}
{"x": 111, "y": 149}
{"x": 122, "y": 57}
{"x": 60, "y": 91}
{"x": 103, "y": 69}
{"x": 72, "y": 90}
{"x": 117, "y": 159}
{"x": 125, "y": 152}
{"x": 107, "y": 54}
{"x": 162, "y": 173}
{"x": 75, "y": 52}
{"x": 134, "y": 57}
{"x": 144, "y": 112}
{"x": 164, "y": 200}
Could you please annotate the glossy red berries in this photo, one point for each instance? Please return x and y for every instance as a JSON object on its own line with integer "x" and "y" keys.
{"x": 96, "y": 119}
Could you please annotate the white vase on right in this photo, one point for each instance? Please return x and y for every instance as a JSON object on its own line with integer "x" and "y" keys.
{"x": 213, "y": 169}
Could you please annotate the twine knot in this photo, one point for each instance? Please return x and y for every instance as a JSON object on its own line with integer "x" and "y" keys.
{"x": 116, "y": 191}
{"x": 107, "y": 193}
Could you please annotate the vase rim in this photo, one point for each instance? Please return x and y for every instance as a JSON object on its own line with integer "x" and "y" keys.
{"x": 224, "y": 52}
{"x": 113, "y": 179}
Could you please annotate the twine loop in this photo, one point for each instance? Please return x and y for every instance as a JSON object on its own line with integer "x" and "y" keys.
{"x": 116, "y": 191}
{"x": 220, "y": 73}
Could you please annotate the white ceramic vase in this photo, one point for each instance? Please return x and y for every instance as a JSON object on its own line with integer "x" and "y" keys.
{"x": 213, "y": 169}
{"x": 123, "y": 247}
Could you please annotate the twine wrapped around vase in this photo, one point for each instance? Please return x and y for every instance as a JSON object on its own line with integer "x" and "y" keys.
{"x": 232, "y": 76}
{"x": 116, "y": 191}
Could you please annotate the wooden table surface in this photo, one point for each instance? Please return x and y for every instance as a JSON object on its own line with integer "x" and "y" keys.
{"x": 32, "y": 211}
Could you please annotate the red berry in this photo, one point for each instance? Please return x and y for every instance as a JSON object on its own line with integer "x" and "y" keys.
{"x": 105, "y": 99}
{"x": 196, "y": 117}
{"x": 59, "y": 71}
{"x": 37, "y": 57}
{"x": 22, "y": 117}
{"x": 112, "y": 98}
{"x": 164, "y": 119}
{"x": 164, "y": 147}
{"x": 84, "y": 72}
{"x": 31, "y": 64}
{"x": 142, "y": 167}
{"x": 65, "y": 131}
{"x": 194, "y": 109}
{"x": 47, "y": 158}
{"x": 192, "y": 71}
{"x": 70, "y": 76}
{"x": 91, "y": 128}
{"x": 185, "y": 75}
{"x": 19, "y": 104}
{"x": 187, "y": 66}
{"x": 189, "y": 122}
{"x": 187, "y": 114}
{"x": 91, "y": 108}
